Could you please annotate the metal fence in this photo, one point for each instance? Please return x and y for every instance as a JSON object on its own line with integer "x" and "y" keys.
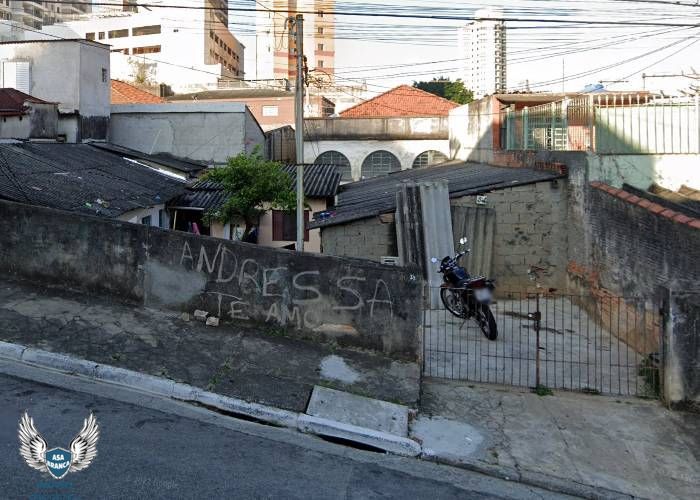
{"x": 607, "y": 345}
{"x": 608, "y": 123}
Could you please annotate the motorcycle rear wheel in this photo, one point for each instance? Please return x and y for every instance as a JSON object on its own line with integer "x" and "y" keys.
{"x": 452, "y": 300}
{"x": 486, "y": 321}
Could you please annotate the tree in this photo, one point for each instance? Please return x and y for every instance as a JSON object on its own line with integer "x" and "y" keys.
{"x": 444, "y": 87}
{"x": 253, "y": 185}
{"x": 142, "y": 72}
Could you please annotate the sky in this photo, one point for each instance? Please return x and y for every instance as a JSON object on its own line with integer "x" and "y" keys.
{"x": 386, "y": 52}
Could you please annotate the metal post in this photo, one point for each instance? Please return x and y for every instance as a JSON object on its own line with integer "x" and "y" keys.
{"x": 526, "y": 131}
{"x": 538, "y": 318}
{"x": 591, "y": 124}
{"x": 299, "y": 122}
{"x": 697, "y": 119}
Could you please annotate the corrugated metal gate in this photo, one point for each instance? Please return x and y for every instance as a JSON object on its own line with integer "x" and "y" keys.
{"x": 479, "y": 226}
{"x": 607, "y": 345}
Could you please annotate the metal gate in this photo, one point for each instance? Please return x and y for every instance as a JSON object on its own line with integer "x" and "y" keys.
{"x": 601, "y": 344}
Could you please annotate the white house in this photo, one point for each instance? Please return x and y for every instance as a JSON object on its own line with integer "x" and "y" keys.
{"x": 72, "y": 73}
{"x": 206, "y": 132}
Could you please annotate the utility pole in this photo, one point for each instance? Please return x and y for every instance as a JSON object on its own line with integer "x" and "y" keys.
{"x": 298, "y": 24}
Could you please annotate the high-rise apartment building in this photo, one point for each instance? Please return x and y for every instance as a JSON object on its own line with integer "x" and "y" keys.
{"x": 276, "y": 53}
{"x": 483, "y": 54}
{"x": 35, "y": 15}
{"x": 186, "y": 49}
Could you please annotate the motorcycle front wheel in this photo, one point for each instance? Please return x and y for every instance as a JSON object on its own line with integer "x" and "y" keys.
{"x": 487, "y": 322}
{"x": 452, "y": 300}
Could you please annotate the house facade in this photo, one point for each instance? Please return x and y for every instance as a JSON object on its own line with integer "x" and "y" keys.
{"x": 83, "y": 101}
{"x": 275, "y": 228}
{"x": 401, "y": 129}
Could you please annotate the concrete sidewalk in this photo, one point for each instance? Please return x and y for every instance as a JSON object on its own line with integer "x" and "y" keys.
{"x": 632, "y": 446}
{"x": 253, "y": 364}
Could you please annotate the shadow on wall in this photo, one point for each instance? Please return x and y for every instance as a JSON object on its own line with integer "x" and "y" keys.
{"x": 354, "y": 302}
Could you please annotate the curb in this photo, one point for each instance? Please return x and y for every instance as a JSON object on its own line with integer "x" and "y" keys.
{"x": 387, "y": 442}
{"x": 194, "y": 395}
{"x": 536, "y": 479}
{"x": 283, "y": 418}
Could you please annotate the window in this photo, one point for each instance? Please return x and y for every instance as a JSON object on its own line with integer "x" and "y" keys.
{"x": 320, "y": 46}
{"x": 146, "y": 30}
{"x": 118, "y": 33}
{"x": 270, "y": 111}
{"x": 320, "y": 63}
{"x": 380, "y": 163}
{"x": 161, "y": 219}
{"x": 104, "y": 75}
{"x": 320, "y": 31}
{"x": 284, "y": 225}
{"x": 101, "y": 35}
{"x": 146, "y": 50}
{"x": 428, "y": 159}
{"x": 146, "y": 221}
{"x": 89, "y": 36}
{"x": 340, "y": 161}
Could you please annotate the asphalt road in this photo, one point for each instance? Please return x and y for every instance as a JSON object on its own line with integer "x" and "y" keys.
{"x": 163, "y": 449}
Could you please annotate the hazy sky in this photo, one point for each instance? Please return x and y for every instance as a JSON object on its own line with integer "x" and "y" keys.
{"x": 386, "y": 52}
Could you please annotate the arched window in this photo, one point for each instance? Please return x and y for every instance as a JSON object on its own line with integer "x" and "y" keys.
{"x": 339, "y": 160}
{"x": 428, "y": 159}
{"x": 380, "y": 163}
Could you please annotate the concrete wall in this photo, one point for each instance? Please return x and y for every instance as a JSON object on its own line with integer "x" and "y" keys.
{"x": 39, "y": 122}
{"x": 682, "y": 367}
{"x": 371, "y": 238}
{"x": 355, "y": 302}
{"x": 206, "y": 132}
{"x": 357, "y": 150}
{"x": 385, "y": 129}
{"x": 471, "y": 131}
{"x": 531, "y": 230}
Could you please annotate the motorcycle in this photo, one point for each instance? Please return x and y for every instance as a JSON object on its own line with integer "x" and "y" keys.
{"x": 467, "y": 297}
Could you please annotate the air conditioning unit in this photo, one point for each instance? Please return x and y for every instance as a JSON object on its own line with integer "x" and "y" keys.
{"x": 391, "y": 261}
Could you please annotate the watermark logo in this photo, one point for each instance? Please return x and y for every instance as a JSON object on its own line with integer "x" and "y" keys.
{"x": 58, "y": 461}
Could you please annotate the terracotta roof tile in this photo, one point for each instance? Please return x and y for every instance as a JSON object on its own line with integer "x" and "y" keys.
{"x": 124, "y": 93}
{"x": 401, "y": 101}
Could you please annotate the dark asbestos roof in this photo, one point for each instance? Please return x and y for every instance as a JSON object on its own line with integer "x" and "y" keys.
{"x": 370, "y": 197}
{"x": 164, "y": 159}
{"x": 670, "y": 199}
{"x": 320, "y": 181}
{"x": 80, "y": 178}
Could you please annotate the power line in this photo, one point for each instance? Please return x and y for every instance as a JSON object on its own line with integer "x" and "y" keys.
{"x": 375, "y": 14}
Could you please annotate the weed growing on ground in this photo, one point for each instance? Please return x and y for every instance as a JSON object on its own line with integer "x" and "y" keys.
{"x": 543, "y": 390}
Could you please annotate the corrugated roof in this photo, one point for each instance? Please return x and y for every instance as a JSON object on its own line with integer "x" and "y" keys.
{"x": 125, "y": 93}
{"x": 320, "y": 181}
{"x": 80, "y": 178}
{"x": 164, "y": 159}
{"x": 359, "y": 200}
{"x": 403, "y": 100}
